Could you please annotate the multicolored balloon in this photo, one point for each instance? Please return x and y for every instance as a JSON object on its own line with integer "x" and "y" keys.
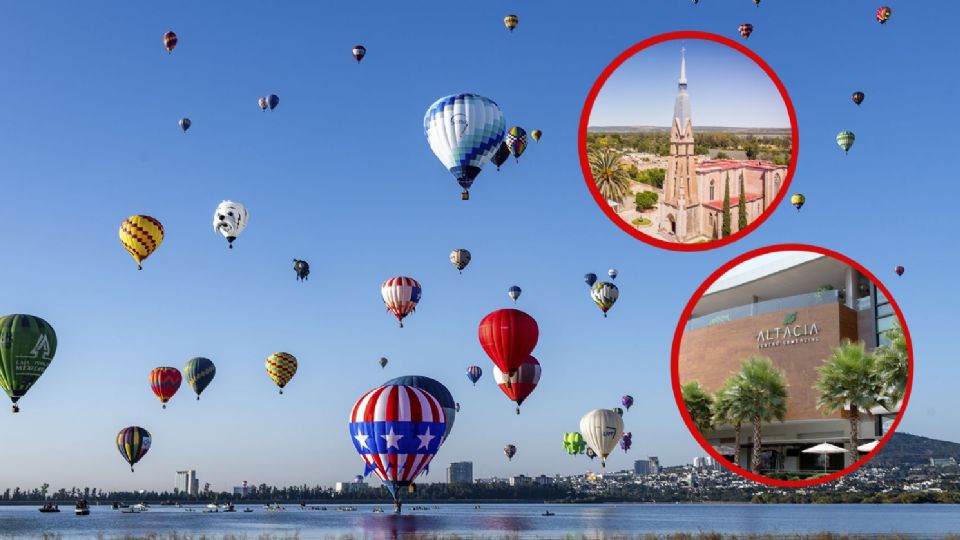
{"x": 522, "y": 383}
{"x": 510, "y": 451}
{"x": 514, "y": 292}
{"x": 511, "y": 22}
{"x": 27, "y": 346}
{"x": 899, "y": 270}
{"x": 436, "y": 389}
{"x": 281, "y": 367}
{"x": 165, "y": 381}
{"x": 383, "y": 362}
{"x": 590, "y": 453}
{"x": 618, "y": 410}
{"x": 133, "y": 443}
{"x": 845, "y": 139}
{"x": 199, "y": 373}
{"x": 573, "y": 443}
{"x": 516, "y": 141}
{"x": 397, "y": 430}
{"x": 460, "y": 258}
{"x": 536, "y": 134}
{"x": 262, "y": 102}
{"x": 508, "y": 336}
{"x": 230, "y": 219}
{"x": 464, "y": 132}
{"x": 857, "y": 97}
{"x": 184, "y": 124}
{"x": 302, "y": 268}
{"x": 797, "y": 200}
{"x": 627, "y": 401}
{"x": 883, "y": 14}
{"x": 500, "y": 157}
{"x": 272, "y": 101}
{"x": 590, "y": 279}
{"x": 474, "y": 373}
{"x": 601, "y": 429}
{"x": 604, "y": 294}
{"x": 745, "y": 30}
{"x": 401, "y": 295}
{"x": 141, "y": 236}
{"x": 612, "y": 273}
{"x": 169, "y": 41}
{"x": 359, "y": 51}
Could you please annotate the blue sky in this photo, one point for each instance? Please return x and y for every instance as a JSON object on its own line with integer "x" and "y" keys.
{"x": 340, "y": 174}
{"x": 726, "y": 88}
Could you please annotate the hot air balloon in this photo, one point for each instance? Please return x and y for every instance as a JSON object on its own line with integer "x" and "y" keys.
{"x": 27, "y": 346}
{"x": 230, "y": 219}
{"x": 601, "y": 429}
{"x": 627, "y": 401}
{"x": 510, "y": 451}
{"x": 460, "y": 258}
{"x": 262, "y": 102}
{"x": 522, "y": 383}
{"x": 272, "y": 101}
{"x": 626, "y": 442}
{"x": 383, "y": 362}
{"x": 845, "y": 140}
{"x": 184, "y": 124}
{"x": 199, "y": 372}
{"x": 436, "y": 389}
{"x": 590, "y": 279}
{"x": 501, "y": 155}
{"x": 511, "y": 22}
{"x": 516, "y": 141}
{"x": 797, "y": 200}
{"x": 883, "y": 14}
{"x": 899, "y": 270}
{"x": 604, "y": 294}
{"x": 508, "y": 336}
{"x": 757, "y": 2}
{"x": 612, "y": 273}
{"x": 745, "y": 30}
{"x": 141, "y": 236}
{"x": 133, "y": 443}
{"x": 169, "y": 41}
{"x": 165, "y": 381}
{"x": 281, "y": 367}
{"x": 573, "y": 443}
{"x": 302, "y": 268}
{"x": 590, "y": 453}
{"x": 474, "y": 373}
{"x": 536, "y": 134}
{"x": 618, "y": 410}
{"x": 857, "y": 97}
{"x": 401, "y": 295}
{"x": 457, "y": 407}
{"x": 397, "y": 431}
{"x": 514, "y": 292}
{"x": 464, "y": 132}
{"x": 359, "y": 51}
{"x": 695, "y": 2}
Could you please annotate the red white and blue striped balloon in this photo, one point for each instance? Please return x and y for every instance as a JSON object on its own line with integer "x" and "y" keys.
{"x": 474, "y": 373}
{"x": 397, "y": 429}
{"x": 401, "y": 295}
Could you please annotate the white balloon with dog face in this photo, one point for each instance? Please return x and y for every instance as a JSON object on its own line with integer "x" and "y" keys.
{"x": 230, "y": 219}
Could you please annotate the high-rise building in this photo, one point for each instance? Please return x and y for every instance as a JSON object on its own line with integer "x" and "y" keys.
{"x": 641, "y": 467}
{"x": 460, "y": 472}
{"x": 187, "y": 482}
{"x": 357, "y": 485}
{"x": 241, "y": 490}
{"x": 698, "y": 462}
{"x": 654, "y": 464}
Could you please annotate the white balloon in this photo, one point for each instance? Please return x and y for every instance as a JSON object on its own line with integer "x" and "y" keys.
{"x": 230, "y": 219}
{"x": 601, "y": 429}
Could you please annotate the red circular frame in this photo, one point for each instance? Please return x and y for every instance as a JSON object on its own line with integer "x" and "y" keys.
{"x": 588, "y": 109}
{"x": 675, "y": 369}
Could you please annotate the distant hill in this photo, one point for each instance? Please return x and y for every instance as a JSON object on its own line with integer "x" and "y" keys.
{"x": 784, "y": 132}
{"x": 907, "y": 449}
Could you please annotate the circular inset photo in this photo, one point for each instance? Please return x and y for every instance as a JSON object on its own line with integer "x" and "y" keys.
{"x": 688, "y": 141}
{"x": 792, "y": 365}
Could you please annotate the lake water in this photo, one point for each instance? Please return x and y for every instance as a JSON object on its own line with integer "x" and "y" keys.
{"x": 489, "y": 521}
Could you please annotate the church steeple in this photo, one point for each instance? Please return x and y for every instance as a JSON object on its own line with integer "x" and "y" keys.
{"x": 681, "y": 107}
{"x": 683, "y": 69}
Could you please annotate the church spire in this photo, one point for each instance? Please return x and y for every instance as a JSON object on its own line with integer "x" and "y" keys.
{"x": 683, "y": 68}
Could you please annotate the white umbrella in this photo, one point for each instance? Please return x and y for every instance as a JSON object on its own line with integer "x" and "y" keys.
{"x": 868, "y": 447}
{"x": 824, "y": 449}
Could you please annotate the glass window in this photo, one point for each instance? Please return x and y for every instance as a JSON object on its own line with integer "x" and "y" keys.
{"x": 885, "y": 323}
{"x": 711, "y": 191}
{"x": 884, "y": 310}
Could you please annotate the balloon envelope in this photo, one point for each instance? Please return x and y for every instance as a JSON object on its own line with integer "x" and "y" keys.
{"x": 508, "y": 336}
{"x": 627, "y": 401}
{"x": 141, "y": 236}
{"x": 164, "y": 382}
{"x": 27, "y": 346}
{"x": 401, "y": 295}
{"x": 601, "y": 429}
{"x": 230, "y": 219}
{"x": 133, "y": 443}
{"x": 281, "y": 367}
{"x": 199, "y": 373}
{"x": 460, "y": 258}
{"x": 521, "y": 383}
{"x": 474, "y": 373}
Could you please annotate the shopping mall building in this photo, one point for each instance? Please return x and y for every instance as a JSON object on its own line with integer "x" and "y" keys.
{"x": 792, "y": 307}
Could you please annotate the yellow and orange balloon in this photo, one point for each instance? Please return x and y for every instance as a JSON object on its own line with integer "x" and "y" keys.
{"x": 141, "y": 236}
{"x": 281, "y": 367}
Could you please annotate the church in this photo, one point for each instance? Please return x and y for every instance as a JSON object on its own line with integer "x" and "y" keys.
{"x": 691, "y": 207}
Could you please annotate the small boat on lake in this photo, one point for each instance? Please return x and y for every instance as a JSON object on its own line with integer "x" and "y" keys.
{"x": 49, "y": 507}
{"x": 547, "y": 513}
{"x": 378, "y": 510}
{"x": 228, "y": 507}
{"x": 248, "y": 509}
{"x": 81, "y": 508}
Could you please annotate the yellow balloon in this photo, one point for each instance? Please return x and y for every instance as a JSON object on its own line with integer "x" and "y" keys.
{"x": 141, "y": 236}
{"x": 281, "y": 367}
{"x": 511, "y": 22}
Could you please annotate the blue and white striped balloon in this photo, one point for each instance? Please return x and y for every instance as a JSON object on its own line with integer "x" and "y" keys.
{"x": 464, "y": 131}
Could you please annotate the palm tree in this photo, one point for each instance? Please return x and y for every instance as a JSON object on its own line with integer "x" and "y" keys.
{"x": 763, "y": 394}
{"x": 893, "y": 362}
{"x": 849, "y": 379}
{"x": 699, "y": 404}
{"x": 612, "y": 180}
{"x": 727, "y": 409}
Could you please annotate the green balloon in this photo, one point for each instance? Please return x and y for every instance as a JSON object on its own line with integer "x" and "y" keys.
{"x": 27, "y": 346}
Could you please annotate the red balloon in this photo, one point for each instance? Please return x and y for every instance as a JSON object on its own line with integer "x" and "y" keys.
{"x": 165, "y": 381}
{"x": 519, "y": 386}
{"x": 508, "y": 336}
